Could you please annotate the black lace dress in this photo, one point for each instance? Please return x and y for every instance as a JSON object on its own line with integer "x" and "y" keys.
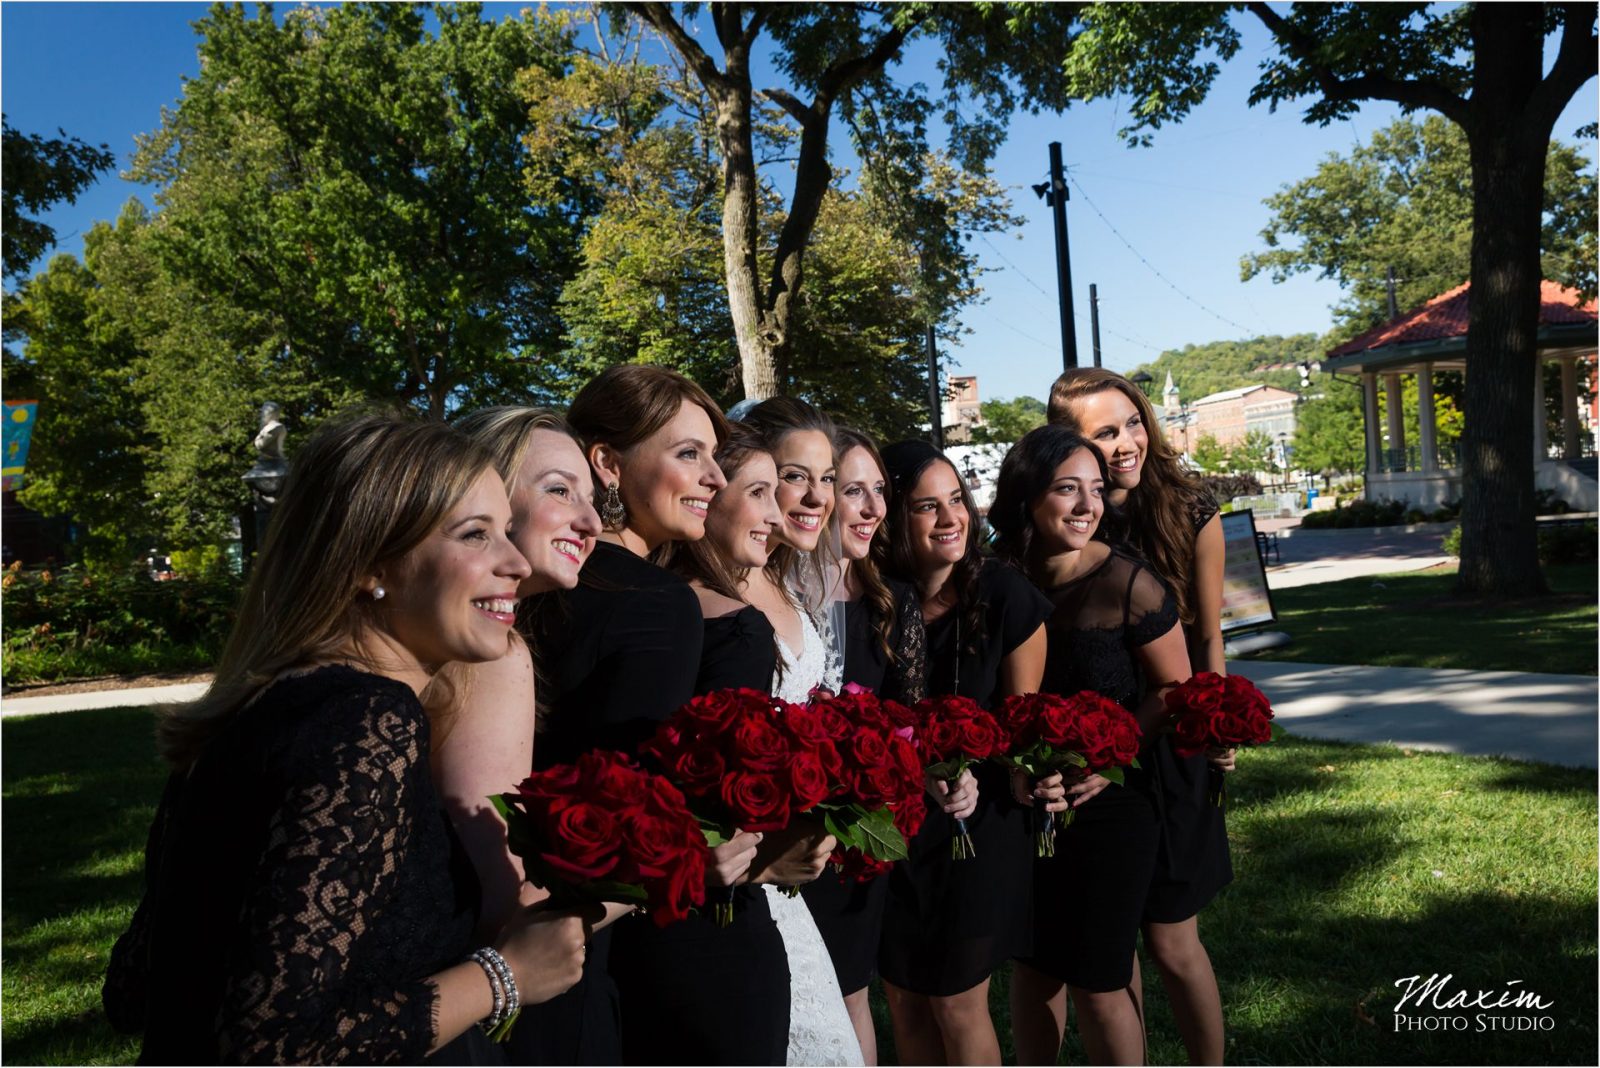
{"x": 709, "y": 994}
{"x": 850, "y": 914}
{"x": 1089, "y": 898}
{"x": 950, "y": 923}
{"x": 302, "y": 884}
{"x": 1192, "y": 862}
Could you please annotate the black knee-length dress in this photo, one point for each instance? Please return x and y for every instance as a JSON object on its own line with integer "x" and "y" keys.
{"x": 1090, "y": 897}
{"x": 619, "y": 654}
{"x": 949, "y": 923}
{"x": 848, "y": 913}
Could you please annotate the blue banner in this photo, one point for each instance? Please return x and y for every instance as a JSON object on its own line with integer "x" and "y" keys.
{"x": 19, "y": 419}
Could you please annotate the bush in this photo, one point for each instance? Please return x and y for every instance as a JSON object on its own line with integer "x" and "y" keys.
{"x": 69, "y": 622}
{"x": 1452, "y": 541}
{"x": 1226, "y": 487}
{"x": 1568, "y": 543}
{"x": 1356, "y": 514}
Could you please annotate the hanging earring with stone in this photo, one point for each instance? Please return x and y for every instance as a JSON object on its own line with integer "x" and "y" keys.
{"x": 612, "y": 513}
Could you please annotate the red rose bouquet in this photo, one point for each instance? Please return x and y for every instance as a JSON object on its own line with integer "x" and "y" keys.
{"x": 603, "y": 829}
{"x": 1086, "y": 734}
{"x": 1211, "y": 710}
{"x": 955, "y": 732}
{"x": 874, "y": 806}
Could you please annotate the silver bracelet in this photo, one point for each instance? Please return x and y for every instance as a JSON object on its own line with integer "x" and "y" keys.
{"x": 508, "y": 1001}
{"x": 496, "y": 989}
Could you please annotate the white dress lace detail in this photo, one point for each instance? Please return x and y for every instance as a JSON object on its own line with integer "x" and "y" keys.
{"x": 820, "y": 1032}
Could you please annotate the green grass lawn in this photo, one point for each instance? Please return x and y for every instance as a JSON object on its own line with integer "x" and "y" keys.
{"x": 1355, "y": 866}
{"x": 1416, "y": 620}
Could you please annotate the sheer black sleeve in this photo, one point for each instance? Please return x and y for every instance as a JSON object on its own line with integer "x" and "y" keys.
{"x": 351, "y": 783}
{"x": 1201, "y": 506}
{"x": 1150, "y": 610}
{"x": 907, "y": 678}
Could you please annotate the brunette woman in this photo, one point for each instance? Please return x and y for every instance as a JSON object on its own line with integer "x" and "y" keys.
{"x": 1114, "y": 631}
{"x": 950, "y": 923}
{"x": 884, "y": 651}
{"x": 1172, "y": 522}
{"x": 307, "y": 898}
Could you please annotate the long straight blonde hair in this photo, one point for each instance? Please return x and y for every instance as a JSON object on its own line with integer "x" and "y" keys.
{"x": 362, "y": 493}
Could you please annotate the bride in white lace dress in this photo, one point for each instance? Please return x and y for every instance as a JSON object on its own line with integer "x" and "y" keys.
{"x": 800, "y": 439}
{"x": 820, "y": 1031}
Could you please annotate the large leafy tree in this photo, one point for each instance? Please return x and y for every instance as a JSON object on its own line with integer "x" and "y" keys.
{"x": 1481, "y": 66}
{"x": 836, "y": 59}
{"x": 358, "y": 181}
{"x": 39, "y": 173}
{"x": 652, "y": 284}
{"x": 1404, "y": 201}
{"x": 1006, "y": 421}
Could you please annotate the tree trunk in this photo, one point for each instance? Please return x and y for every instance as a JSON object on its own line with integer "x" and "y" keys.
{"x": 1499, "y": 543}
{"x": 740, "y": 235}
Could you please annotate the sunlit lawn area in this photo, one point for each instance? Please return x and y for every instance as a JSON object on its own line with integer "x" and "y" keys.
{"x": 1356, "y": 866}
{"x": 1416, "y": 620}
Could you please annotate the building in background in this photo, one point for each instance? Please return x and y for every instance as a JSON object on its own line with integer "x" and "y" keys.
{"x": 962, "y": 410}
{"x": 1229, "y": 416}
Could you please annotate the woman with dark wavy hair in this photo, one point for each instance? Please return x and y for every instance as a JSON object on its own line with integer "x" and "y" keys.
{"x": 950, "y": 923}
{"x": 1114, "y": 630}
{"x": 1172, "y": 521}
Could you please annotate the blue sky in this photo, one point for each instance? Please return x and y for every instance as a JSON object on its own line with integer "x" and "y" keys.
{"x": 1189, "y": 207}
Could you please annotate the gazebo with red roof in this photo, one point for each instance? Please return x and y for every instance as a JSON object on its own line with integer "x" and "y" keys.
{"x": 1433, "y": 337}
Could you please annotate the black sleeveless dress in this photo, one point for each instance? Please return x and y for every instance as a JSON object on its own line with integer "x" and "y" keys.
{"x": 850, "y": 914}
{"x": 950, "y": 923}
{"x": 318, "y": 792}
{"x": 1193, "y": 863}
{"x": 695, "y": 993}
{"x": 1090, "y": 897}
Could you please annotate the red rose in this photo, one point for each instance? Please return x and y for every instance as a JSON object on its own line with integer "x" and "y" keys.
{"x": 583, "y": 841}
{"x": 1054, "y": 724}
{"x": 758, "y": 745}
{"x": 699, "y": 768}
{"x": 808, "y": 781}
{"x": 941, "y": 738}
{"x": 867, "y": 748}
{"x": 980, "y": 737}
{"x": 1190, "y": 735}
{"x": 804, "y": 725}
{"x": 832, "y": 763}
{"x": 756, "y": 802}
{"x": 899, "y": 715}
{"x": 836, "y": 726}
{"x": 610, "y": 778}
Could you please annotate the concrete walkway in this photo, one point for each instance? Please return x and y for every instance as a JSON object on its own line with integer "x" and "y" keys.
{"x": 1312, "y": 556}
{"x": 1549, "y": 718}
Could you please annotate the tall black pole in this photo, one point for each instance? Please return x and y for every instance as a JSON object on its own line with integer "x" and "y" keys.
{"x": 1094, "y": 321}
{"x": 935, "y": 394}
{"x": 1394, "y": 305}
{"x": 1058, "y": 202}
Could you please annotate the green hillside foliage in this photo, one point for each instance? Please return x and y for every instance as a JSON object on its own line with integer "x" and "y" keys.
{"x": 1199, "y": 370}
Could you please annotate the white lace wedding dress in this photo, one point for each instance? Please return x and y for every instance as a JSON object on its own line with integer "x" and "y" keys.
{"x": 820, "y": 1031}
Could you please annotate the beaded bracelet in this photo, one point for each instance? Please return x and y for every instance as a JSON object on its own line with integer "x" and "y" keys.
{"x": 502, "y": 985}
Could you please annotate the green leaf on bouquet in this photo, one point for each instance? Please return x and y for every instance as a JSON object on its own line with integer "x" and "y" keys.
{"x": 1277, "y": 731}
{"x": 1112, "y": 775}
{"x": 1134, "y": 763}
{"x": 948, "y": 770}
{"x": 714, "y": 835}
{"x": 842, "y": 830}
{"x": 609, "y": 890}
{"x": 880, "y": 838}
{"x": 1075, "y": 759}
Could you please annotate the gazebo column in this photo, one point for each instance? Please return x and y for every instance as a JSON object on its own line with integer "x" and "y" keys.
{"x": 1541, "y": 446}
{"x": 1369, "y": 420}
{"x": 1427, "y": 426}
{"x": 1571, "y": 447}
{"x": 1397, "y": 422}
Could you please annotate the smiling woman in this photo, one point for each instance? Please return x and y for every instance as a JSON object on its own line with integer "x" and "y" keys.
{"x": 301, "y": 777}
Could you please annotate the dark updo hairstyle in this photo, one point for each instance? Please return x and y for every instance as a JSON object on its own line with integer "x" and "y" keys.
{"x": 1026, "y": 475}
{"x": 905, "y": 462}
{"x": 775, "y": 419}
{"x": 880, "y": 602}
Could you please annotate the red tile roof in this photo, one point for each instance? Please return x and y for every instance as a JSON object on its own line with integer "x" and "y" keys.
{"x": 1446, "y": 316}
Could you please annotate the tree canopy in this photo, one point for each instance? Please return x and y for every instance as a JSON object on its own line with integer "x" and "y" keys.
{"x": 39, "y": 173}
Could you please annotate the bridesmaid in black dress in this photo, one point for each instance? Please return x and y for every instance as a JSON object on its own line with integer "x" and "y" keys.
{"x": 950, "y": 923}
{"x": 301, "y": 778}
{"x": 618, "y": 654}
{"x": 1114, "y": 630}
{"x": 885, "y": 651}
{"x": 1172, "y": 522}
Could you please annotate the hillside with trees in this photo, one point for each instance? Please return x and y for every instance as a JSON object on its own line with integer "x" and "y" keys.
{"x": 1199, "y": 370}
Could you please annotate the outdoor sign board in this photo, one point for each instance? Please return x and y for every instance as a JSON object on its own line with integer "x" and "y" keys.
{"x": 19, "y": 418}
{"x": 1246, "y": 600}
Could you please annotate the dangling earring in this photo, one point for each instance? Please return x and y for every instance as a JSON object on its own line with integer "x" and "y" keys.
{"x": 379, "y": 593}
{"x": 612, "y": 514}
